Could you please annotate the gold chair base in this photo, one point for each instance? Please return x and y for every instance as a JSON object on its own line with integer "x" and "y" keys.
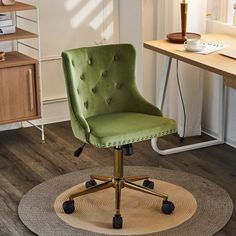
{"x": 118, "y": 181}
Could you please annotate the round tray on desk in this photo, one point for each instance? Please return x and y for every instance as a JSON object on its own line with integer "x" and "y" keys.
{"x": 179, "y": 38}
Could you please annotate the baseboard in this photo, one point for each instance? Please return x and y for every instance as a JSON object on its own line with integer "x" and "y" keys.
{"x": 47, "y": 101}
{"x": 55, "y": 110}
{"x": 230, "y": 142}
{"x": 213, "y": 134}
{"x": 209, "y": 132}
{"x": 10, "y": 126}
{"x": 189, "y": 132}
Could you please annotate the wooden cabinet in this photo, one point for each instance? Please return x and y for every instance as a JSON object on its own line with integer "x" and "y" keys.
{"x": 19, "y": 78}
{"x": 19, "y": 92}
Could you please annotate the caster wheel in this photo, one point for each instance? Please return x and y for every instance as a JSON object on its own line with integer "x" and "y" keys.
{"x": 69, "y": 207}
{"x": 117, "y": 222}
{"x": 90, "y": 183}
{"x": 78, "y": 152}
{"x": 167, "y": 207}
{"x": 148, "y": 184}
{"x": 128, "y": 149}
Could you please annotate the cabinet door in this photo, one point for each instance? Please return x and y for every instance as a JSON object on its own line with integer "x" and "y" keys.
{"x": 18, "y": 100}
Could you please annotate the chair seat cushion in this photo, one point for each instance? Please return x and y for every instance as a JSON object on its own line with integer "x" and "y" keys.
{"x": 113, "y": 129}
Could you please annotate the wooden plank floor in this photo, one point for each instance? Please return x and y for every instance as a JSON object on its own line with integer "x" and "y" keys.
{"x": 25, "y": 162}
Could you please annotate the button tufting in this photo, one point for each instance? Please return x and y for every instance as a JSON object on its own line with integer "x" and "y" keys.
{"x": 94, "y": 90}
{"x": 118, "y": 85}
{"x": 72, "y": 62}
{"x": 77, "y": 90}
{"x": 104, "y": 74}
{"x": 108, "y": 100}
{"x": 90, "y": 61}
{"x": 116, "y": 58}
{"x": 82, "y": 77}
{"x": 86, "y": 104}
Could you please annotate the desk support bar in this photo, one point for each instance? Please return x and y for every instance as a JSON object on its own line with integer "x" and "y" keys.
{"x": 183, "y": 148}
{"x": 222, "y": 111}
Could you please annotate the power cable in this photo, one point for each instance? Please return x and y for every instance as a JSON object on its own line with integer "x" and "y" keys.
{"x": 182, "y": 100}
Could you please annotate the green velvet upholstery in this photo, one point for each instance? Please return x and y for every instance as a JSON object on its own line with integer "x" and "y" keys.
{"x": 105, "y": 106}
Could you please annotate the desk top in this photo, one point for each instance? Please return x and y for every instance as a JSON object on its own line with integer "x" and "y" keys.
{"x": 213, "y": 62}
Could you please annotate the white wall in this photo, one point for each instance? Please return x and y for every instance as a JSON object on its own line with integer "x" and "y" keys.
{"x": 130, "y": 21}
{"x": 138, "y": 24}
{"x": 149, "y": 58}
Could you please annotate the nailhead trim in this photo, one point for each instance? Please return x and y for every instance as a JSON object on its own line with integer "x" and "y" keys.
{"x": 123, "y": 142}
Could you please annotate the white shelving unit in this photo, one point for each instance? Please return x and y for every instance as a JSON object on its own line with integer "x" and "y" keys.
{"x": 18, "y": 61}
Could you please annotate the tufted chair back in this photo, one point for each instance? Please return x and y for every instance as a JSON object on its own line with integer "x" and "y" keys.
{"x": 100, "y": 79}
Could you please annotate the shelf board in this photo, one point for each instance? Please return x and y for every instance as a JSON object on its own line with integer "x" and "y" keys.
{"x": 16, "y": 59}
{"x": 18, "y": 6}
{"x": 19, "y": 34}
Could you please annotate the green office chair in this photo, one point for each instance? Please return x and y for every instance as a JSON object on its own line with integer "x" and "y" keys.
{"x": 107, "y": 110}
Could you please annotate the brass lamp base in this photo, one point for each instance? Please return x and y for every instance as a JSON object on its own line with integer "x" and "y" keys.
{"x": 118, "y": 182}
{"x": 179, "y": 38}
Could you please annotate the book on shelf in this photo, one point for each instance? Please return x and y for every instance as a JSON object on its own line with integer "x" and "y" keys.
{"x": 7, "y": 22}
{"x": 7, "y": 30}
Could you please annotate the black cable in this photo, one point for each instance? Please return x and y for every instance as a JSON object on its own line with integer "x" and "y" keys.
{"x": 182, "y": 100}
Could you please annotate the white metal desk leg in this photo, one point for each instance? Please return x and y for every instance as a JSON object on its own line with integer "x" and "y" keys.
{"x": 40, "y": 78}
{"x": 163, "y": 84}
{"x": 221, "y": 136}
{"x": 222, "y": 109}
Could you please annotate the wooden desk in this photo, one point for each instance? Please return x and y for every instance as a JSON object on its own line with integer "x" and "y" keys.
{"x": 214, "y": 62}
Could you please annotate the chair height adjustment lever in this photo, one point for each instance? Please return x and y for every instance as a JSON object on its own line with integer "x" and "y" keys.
{"x": 128, "y": 149}
{"x": 79, "y": 150}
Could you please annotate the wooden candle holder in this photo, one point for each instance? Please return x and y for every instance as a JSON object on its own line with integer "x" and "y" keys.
{"x": 181, "y": 37}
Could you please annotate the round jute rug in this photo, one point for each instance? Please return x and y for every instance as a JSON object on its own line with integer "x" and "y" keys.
{"x": 141, "y": 213}
{"x": 202, "y": 207}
